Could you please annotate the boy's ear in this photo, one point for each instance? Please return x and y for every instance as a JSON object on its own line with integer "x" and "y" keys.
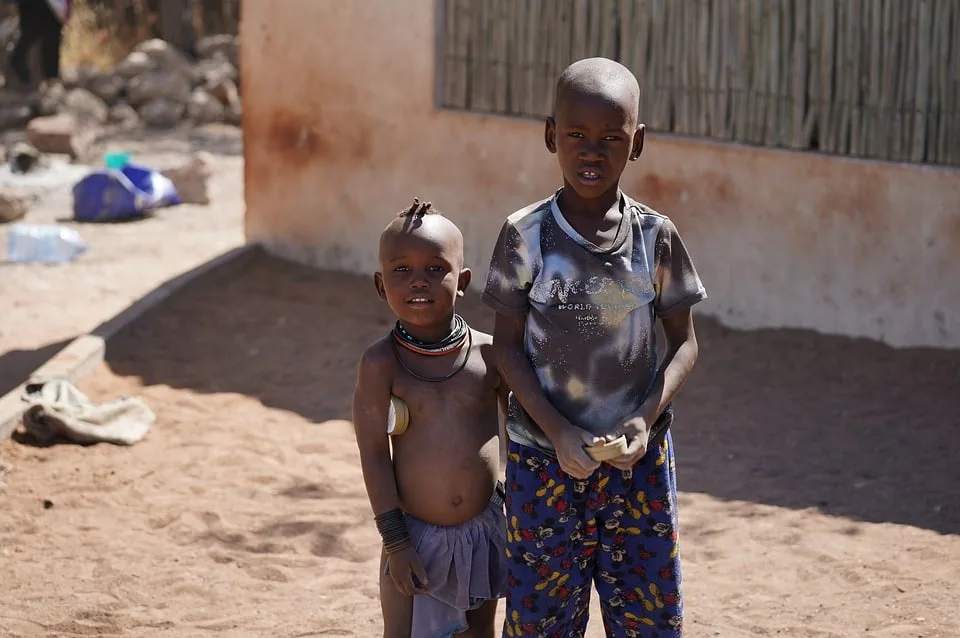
{"x": 550, "y": 134}
{"x": 463, "y": 282}
{"x": 378, "y": 282}
{"x": 637, "y": 143}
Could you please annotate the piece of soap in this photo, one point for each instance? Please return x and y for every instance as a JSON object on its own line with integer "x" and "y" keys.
{"x": 609, "y": 450}
{"x": 398, "y": 417}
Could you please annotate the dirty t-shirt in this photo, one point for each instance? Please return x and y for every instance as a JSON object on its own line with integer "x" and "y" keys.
{"x": 590, "y": 312}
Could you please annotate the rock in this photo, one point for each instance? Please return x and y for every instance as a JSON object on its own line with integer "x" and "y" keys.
{"x": 164, "y": 55}
{"x": 86, "y": 105}
{"x": 24, "y": 157}
{"x": 51, "y": 97}
{"x": 152, "y": 84}
{"x": 191, "y": 178}
{"x": 14, "y": 204}
{"x": 204, "y": 108}
{"x": 70, "y": 76}
{"x": 124, "y": 115}
{"x": 214, "y": 70}
{"x": 14, "y": 116}
{"x": 107, "y": 87}
{"x": 225, "y": 91}
{"x": 228, "y": 94}
{"x": 227, "y": 45}
{"x": 167, "y": 85}
{"x": 136, "y": 63}
{"x": 235, "y": 114}
{"x": 63, "y": 133}
{"x": 162, "y": 113}
{"x": 77, "y": 76}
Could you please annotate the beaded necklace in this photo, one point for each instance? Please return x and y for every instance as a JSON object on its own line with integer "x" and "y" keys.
{"x": 451, "y": 343}
{"x": 454, "y": 342}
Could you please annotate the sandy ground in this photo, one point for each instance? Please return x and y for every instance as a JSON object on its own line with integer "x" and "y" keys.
{"x": 819, "y": 480}
{"x": 46, "y": 306}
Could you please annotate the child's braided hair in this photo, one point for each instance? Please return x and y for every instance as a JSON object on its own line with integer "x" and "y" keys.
{"x": 419, "y": 209}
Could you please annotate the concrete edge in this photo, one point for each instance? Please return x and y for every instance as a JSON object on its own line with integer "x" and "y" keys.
{"x": 79, "y": 357}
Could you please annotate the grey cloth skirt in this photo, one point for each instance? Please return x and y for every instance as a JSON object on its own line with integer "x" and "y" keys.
{"x": 465, "y": 566}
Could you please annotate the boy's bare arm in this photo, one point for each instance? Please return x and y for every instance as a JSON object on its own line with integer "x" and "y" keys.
{"x": 503, "y": 399}
{"x": 682, "y": 353}
{"x": 516, "y": 369}
{"x": 371, "y": 399}
{"x": 567, "y": 439}
{"x": 503, "y": 392}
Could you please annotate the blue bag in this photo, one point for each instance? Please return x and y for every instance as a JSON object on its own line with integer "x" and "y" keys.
{"x": 110, "y": 195}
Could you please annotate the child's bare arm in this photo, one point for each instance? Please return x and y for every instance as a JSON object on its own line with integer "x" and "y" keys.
{"x": 678, "y": 287}
{"x": 503, "y": 399}
{"x": 566, "y": 438}
{"x": 503, "y": 391}
{"x": 679, "y": 359}
{"x": 371, "y": 399}
{"x": 516, "y": 369}
{"x": 681, "y": 355}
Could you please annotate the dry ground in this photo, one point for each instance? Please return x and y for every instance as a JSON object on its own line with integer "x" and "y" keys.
{"x": 819, "y": 479}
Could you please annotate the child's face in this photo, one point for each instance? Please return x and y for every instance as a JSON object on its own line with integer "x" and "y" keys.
{"x": 593, "y": 137}
{"x": 421, "y": 272}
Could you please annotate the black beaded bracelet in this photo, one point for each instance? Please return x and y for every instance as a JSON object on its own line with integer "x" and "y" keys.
{"x": 393, "y": 530}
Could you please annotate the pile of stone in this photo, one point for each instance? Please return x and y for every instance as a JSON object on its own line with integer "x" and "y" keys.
{"x": 156, "y": 85}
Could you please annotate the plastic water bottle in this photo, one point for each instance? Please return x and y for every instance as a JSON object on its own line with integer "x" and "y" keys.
{"x": 43, "y": 243}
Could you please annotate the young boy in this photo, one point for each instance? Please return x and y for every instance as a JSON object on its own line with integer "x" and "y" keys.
{"x": 578, "y": 281}
{"x": 437, "y": 501}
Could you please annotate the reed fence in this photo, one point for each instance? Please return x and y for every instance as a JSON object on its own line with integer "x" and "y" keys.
{"x": 863, "y": 78}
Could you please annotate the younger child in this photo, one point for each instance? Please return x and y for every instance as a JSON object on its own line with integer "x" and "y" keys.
{"x": 578, "y": 281}
{"x": 437, "y": 501}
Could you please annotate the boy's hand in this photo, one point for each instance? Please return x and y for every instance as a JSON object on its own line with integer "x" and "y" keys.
{"x": 407, "y": 573}
{"x": 571, "y": 452}
{"x": 637, "y": 431}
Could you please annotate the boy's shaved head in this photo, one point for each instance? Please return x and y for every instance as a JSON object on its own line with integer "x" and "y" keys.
{"x": 595, "y": 129}
{"x": 603, "y": 78}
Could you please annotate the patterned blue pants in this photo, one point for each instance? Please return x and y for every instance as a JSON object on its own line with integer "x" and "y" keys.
{"x": 616, "y": 530}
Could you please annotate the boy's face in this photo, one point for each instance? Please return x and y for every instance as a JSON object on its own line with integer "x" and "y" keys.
{"x": 593, "y": 136}
{"x": 422, "y": 271}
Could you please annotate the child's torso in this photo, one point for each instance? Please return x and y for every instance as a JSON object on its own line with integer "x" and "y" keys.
{"x": 448, "y": 460}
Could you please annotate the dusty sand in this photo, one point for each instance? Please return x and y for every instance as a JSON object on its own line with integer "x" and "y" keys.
{"x": 819, "y": 480}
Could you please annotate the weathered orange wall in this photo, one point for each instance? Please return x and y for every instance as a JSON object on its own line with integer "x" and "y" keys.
{"x": 341, "y": 132}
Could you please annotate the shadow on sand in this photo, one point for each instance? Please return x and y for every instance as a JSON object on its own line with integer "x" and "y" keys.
{"x": 786, "y": 417}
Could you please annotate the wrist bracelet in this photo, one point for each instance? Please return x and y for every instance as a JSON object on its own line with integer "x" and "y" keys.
{"x": 392, "y": 526}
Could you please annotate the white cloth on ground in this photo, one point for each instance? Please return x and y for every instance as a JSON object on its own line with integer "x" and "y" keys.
{"x": 58, "y": 409}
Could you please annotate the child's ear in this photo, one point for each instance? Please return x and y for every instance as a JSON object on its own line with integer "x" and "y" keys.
{"x": 463, "y": 282}
{"x": 378, "y": 282}
{"x": 637, "y": 143}
{"x": 550, "y": 134}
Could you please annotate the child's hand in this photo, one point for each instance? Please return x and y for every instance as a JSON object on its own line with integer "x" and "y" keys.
{"x": 407, "y": 573}
{"x": 572, "y": 454}
{"x": 637, "y": 431}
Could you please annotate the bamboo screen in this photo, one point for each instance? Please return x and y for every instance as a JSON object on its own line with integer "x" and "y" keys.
{"x": 865, "y": 78}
